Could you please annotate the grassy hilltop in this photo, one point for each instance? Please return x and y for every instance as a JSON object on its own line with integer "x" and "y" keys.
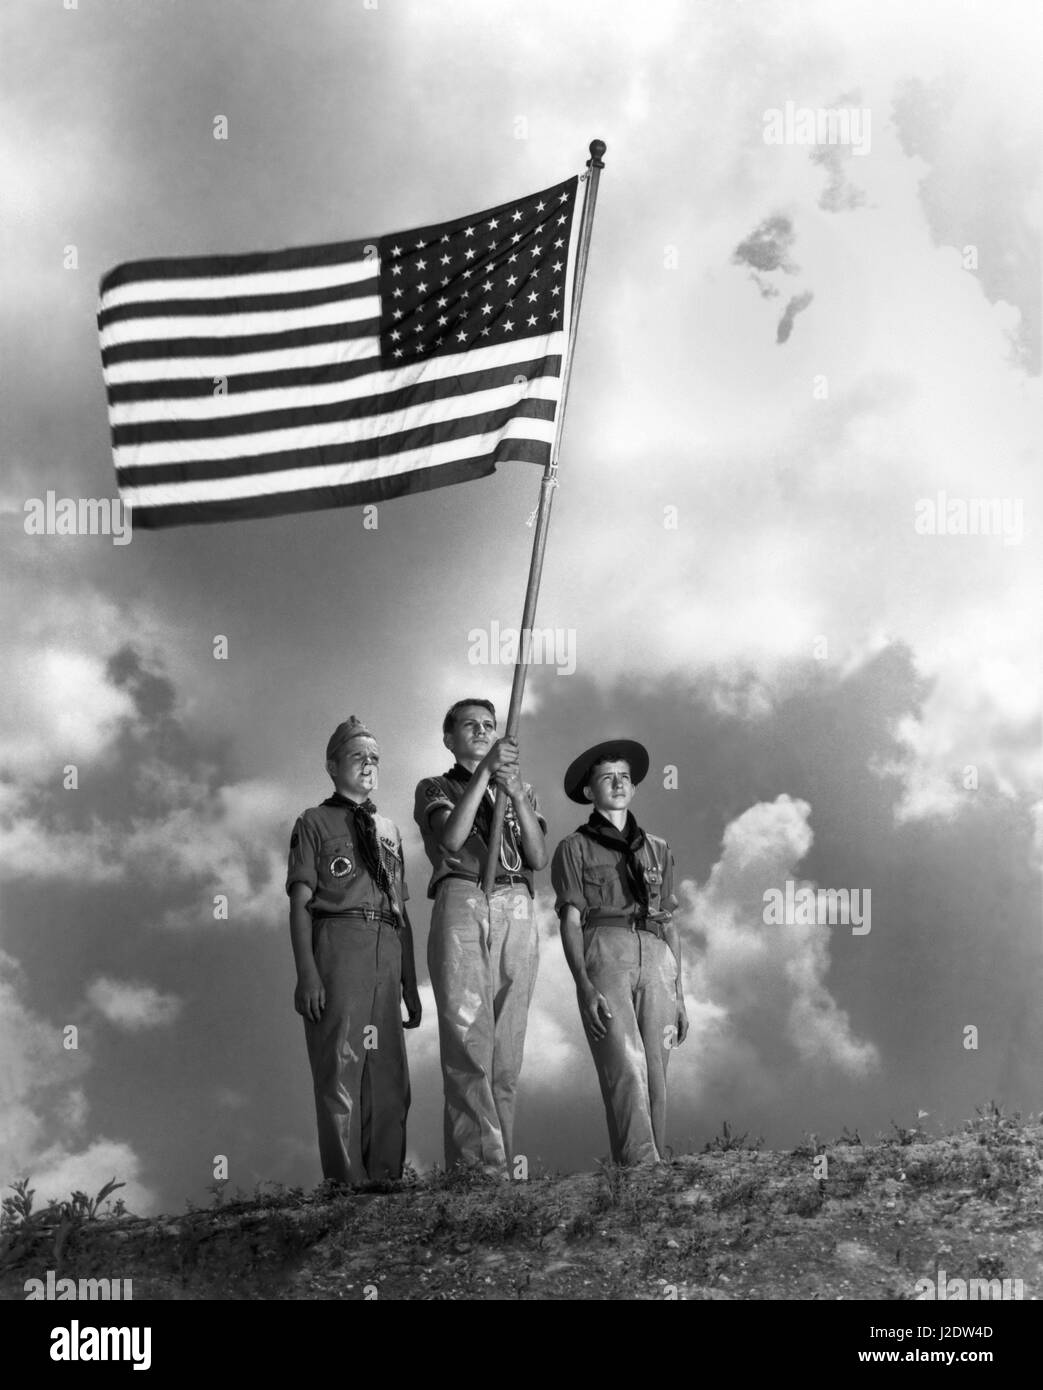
{"x": 733, "y": 1222}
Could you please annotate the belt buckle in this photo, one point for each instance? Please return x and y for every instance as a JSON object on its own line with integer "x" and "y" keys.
{"x": 369, "y": 913}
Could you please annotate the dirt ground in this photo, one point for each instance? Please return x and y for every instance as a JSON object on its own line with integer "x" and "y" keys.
{"x": 843, "y": 1221}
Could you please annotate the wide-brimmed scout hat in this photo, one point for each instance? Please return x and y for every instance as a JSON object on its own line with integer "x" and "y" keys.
{"x": 344, "y": 733}
{"x": 612, "y": 750}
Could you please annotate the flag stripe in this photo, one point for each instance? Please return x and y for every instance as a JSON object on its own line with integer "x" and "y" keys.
{"x": 383, "y": 489}
{"x": 330, "y": 446}
{"x": 312, "y": 401}
{"x": 246, "y": 449}
{"x": 235, "y": 347}
{"x": 267, "y": 281}
{"x": 338, "y": 474}
{"x": 152, "y": 375}
{"x": 235, "y": 324}
{"x": 236, "y": 266}
{"x": 241, "y": 304}
{"x": 186, "y": 390}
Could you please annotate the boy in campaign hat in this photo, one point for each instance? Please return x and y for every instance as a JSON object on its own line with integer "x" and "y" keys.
{"x": 353, "y": 945}
{"x": 613, "y": 885}
{"x": 482, "y": 952}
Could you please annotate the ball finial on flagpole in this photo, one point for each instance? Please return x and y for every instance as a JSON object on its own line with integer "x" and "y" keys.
{"x": 597, "y": 150}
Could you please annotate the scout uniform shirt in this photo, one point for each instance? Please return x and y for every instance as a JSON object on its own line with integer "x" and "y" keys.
{"x": 592, "y": 878}
{"x": 324, "y": 854}
{"x": 469, "y": 860}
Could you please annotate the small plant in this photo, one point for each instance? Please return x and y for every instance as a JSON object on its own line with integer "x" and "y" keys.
{"x": 811, "y": 1147}
{"x": 74, "y": 1211}
{"x": 83, "y": 1208}
{"x": 623, "y": 1191}
{"x": 849, "y": 1138}
{"x": 614, "y": 1185}
{"x": 991, "y": 1121}
{"x": 739, "y": 1194}
{"x": 903, "y": 1136}
{"x": 18, "y": 1210}
{"x": 217, "y": 1187}
{"x": 727, "y": 1142}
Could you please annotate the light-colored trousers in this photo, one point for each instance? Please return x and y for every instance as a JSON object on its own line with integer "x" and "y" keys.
{"x": 357, "y": 1051}
{"x": 637, "y": 974}
{"x": 482, "y": 955}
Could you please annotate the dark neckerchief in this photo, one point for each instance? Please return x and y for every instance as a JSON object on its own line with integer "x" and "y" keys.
{"x": 483, "y": 817}
{"x": 367, "y": 840}
{"x": 629, "y": 842}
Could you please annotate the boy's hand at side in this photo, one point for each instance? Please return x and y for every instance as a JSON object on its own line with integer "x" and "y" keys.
{"x": 411, "y": 999}
{"x": 593, "y": 1010}
{"x": 681, "y": 1023}
{"x": 309, "y": 998}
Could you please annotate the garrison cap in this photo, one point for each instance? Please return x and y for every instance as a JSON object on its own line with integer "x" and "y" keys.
{"x": 342, "y": 734}
{"x": 611, "y": 750}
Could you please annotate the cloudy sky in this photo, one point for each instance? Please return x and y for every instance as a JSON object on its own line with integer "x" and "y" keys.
{"x": 786, "y": 351}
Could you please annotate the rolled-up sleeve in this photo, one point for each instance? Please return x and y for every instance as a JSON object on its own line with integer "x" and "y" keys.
{"x": 566, "y": 876}
{"x": 304, "y": 854}
{"x": 430, "y": 796}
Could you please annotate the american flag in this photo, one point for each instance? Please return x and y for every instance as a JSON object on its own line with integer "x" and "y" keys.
{"x": 331, "y": 376}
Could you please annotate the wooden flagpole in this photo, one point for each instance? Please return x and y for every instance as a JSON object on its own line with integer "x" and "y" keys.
{"x": 547, "y": 485}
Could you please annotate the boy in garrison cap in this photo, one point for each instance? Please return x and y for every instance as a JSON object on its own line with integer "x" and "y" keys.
{"x": 482, "y": 952}
{"x": 353, "y": 946}
{"x": 614, "y": 893}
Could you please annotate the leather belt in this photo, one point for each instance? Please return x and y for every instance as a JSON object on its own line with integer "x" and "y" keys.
{"x": 371, "y": 914}
{"x": 503, "y": 882}
{"x": 630, "y": 920}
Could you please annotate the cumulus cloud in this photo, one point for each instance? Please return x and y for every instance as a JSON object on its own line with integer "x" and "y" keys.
{"x": 161, "y": 807}
{"x": 44, "y": 1109}
{"x": 35, "y": 1067}
{"x": 795, "y": 519}
{"x": 757, "y": 986}
{"x": 132, "y": 1006}
{"x": 63, "y": 703}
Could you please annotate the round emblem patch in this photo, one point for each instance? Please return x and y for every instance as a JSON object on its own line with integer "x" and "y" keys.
{"x": 340, "y": 866}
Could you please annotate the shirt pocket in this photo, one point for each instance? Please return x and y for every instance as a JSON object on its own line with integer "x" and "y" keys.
{"x": 602, "y": 886}
{"x": 338, "y": 862}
